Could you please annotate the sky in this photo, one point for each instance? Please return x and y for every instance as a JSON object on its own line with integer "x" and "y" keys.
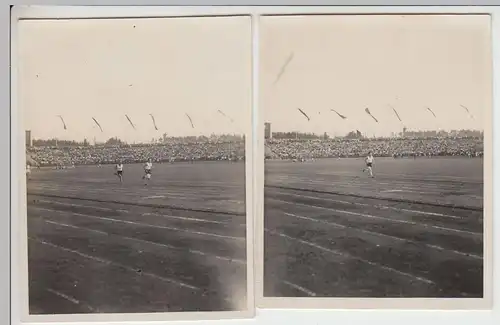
{"x": 106, "y": 68}
{"x": 349, "y": 63}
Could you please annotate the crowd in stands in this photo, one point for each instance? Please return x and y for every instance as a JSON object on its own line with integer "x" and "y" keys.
{"x": 168, "y": 152}
{"x": 383, "y": 147}
{"x": 288, "y": 149}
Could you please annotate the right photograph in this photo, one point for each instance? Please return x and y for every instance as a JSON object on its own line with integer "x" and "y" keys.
{"x": 376, "y": 128}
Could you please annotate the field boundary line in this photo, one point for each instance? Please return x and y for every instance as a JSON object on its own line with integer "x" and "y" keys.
{"x": 441, "y": 205}
{"x": 151, "y": 205}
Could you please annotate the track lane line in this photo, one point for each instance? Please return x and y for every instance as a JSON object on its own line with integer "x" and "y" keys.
{"x": 193, "y": 251}
{"x": 138, "y": 204}
{"x": 425, "y": 225}
{"x": 82, "y": 206}
{"x": 345, "y": 255}
{"x": 143, "y": 214}
{"x": 72, "y": 299}
{"x": 299, "y": 288}
{"x": 108, "y": 262}
{"x": 167, "y": 216}
{"x": 389, "y": 199}
{"x": 147, "y": 225}
{"x": 337, "y": 225}
{"x": 377, "y": 206}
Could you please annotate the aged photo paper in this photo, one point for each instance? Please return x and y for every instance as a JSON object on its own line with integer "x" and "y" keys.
{"x": 377, "y": 172}
{"x": 136, "y": 139}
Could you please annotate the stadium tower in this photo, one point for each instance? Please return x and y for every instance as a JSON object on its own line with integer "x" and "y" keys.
{"x": 267, "y": 133}
{"x": 29, "y": 141}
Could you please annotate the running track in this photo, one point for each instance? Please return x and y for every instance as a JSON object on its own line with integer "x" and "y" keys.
{"x": 98, "y": 247}
{"x": 413, "y": 231}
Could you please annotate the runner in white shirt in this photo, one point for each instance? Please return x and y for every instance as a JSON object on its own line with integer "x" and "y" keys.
{"x": 119, "y": 171}
{"x": 147, "y": 171}
{"x": 28, "y": 171}
{"x": 369, "y": 164}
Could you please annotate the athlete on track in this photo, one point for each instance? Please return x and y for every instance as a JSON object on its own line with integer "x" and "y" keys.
{"x": 148, "y": 166}
{"x": 369, "y": 164}
{"x": 119, "y": 171}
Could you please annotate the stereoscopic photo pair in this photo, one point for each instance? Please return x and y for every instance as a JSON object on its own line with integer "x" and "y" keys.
{"x": 203, "y": 165}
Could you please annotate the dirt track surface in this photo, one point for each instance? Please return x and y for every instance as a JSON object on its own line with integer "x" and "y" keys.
{"x": 415, "y": 230}
{"x": 178, "y": 244}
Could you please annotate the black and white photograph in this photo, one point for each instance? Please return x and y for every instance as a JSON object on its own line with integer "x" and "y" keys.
{"x": 376, "y": 153}
{"x": 136, "y": 133}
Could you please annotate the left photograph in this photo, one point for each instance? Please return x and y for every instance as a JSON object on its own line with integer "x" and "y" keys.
{"x": 135, "y": 131}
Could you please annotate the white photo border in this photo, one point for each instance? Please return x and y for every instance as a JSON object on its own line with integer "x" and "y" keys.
{"x": 19, "y": 257}
{"x": 484, "y": 303}
{"x": 8, "y": 305}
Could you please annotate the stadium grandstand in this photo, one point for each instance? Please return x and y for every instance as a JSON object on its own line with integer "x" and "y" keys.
{"x": 66, "y": 153}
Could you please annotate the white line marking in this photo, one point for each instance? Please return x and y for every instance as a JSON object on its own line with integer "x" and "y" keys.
{"x": 127, "y": 190}
{"x": 336, "y": 225}
{"x": 234, "y": 201}
{"x": 463, "y": 179}
{"x": 71, "y": 299}
{"x": 144, "y": 214}
{"x": 381, "y": 207}
{"x": 75, "y": 227}
{"x": 335, "y": 252}
{"x": 82, "y": 206}
{"x": 148, "y": 225}
{"x": 429, "y": 188}
{"x": 407, "y": 177}
{"x": 62, "y": 295}
{"x": 132, "y": 196}
{"x": 185, "y": 218}
{"x": 150, "y": 242}
{"x": 154, "y": 197}
{"x": 391, "y": 191}
{"x": 383, "y": 218}
{"x": 302, "y": 289}
{"x": 108, "y": 262}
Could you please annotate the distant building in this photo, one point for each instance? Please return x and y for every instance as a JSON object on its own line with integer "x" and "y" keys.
{"x": 29, "y": 141}
{"x": 267, "y": 132}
